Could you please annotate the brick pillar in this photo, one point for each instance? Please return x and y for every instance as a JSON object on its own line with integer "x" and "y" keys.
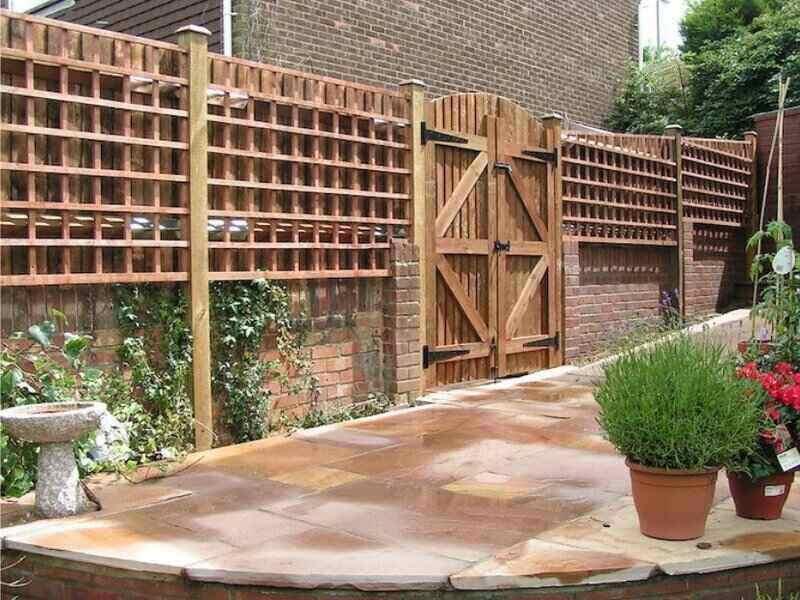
{"x": 402, "y": 363}
{"x": 572, "y": 321}
{"x": 692, "y": 276}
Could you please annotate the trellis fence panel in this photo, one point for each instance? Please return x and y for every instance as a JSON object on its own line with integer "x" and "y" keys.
{"x": 308, "y": 176}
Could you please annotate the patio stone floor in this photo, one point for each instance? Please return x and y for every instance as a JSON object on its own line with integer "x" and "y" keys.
{"x": 502, "y": 486}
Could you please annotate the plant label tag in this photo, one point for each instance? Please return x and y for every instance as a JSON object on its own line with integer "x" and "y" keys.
{"x": 784, "y": 260}
{"x": 774, "y": 490}
{"x": 789, "y": 459}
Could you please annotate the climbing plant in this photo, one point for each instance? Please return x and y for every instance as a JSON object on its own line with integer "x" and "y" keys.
{"x": 242, "y": 313}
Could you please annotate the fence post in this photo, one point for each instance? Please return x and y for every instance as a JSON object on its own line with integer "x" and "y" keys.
{"x": 552, "y": 124}
{"x": 414, "y": 92}
{"x": 195, "y": 40}
{"x": 676, "y": 132}
{"x": 752, "y": 214}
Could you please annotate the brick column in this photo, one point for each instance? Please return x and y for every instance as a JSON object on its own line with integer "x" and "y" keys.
{"x": 402, "y": 364}
{"x": 693, "y": 278}
{"x": 572, "y": 321}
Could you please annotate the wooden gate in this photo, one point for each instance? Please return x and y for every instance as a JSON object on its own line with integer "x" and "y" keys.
{"x": 492, "y": 268}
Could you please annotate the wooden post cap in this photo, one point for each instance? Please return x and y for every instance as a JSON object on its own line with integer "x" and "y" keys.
{"x": 553, "y": 116}
{"x": 673, "y": 130}
{"x": 193, "y": 29}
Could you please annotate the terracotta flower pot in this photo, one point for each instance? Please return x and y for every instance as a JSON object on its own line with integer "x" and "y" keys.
{"x": 761, "y": 499}
{"x": 763, "y": 347}
{"x": 672, "y": 504}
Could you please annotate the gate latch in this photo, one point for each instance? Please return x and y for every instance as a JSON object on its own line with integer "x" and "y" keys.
{"x": 434, "y": 135}
{"x": 502, "y": 246}
{"x": 431, "y": 356}
{"x": 551, "y": 342}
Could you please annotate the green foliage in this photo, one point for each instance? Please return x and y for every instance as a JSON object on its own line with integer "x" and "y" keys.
{"x": 709, "y": 21}
{"x": 779, "y": 304}
{"x": 734, "y": 53}
{"x": 779, "y": 594}
{"x": 151, "y": 394}
{"x": 34, "y": 369}
{"x": 652, "y": 96}
{"x": 376, "y": 404}
{"x": 679, "y": 405}
{"x": 738, "y": 77}
{"x": 242, "y": 313}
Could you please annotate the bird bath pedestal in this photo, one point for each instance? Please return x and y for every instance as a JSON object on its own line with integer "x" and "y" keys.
{"x": 55, "y": 426}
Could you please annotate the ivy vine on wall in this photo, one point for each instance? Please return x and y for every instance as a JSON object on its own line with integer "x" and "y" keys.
{"x": 242, "y": 313}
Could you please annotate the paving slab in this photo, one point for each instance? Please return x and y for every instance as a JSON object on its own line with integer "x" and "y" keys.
{"x": 324, "y": 558}
{"x": 729, "y": 541}
{"x": 534, "y": 564}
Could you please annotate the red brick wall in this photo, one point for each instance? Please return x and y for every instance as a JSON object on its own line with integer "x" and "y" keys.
{"x": 609, "y": 290}
{"x": 765, "y": 126}
{"x": 544, "y": 55}
{"x": 363, "y": 333}
{"x": 714, "y": 259}
{"x": 56, "y": 579}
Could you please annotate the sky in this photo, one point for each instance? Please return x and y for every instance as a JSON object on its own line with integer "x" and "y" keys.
{"x": 672, "y": 12}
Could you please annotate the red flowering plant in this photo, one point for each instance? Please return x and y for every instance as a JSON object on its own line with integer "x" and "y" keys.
{"x": 780, "y": 391}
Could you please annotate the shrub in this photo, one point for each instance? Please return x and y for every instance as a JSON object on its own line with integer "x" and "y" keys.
{"x": 679, "y": 405}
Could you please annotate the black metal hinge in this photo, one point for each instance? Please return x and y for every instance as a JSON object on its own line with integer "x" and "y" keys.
{"x": 551, "y": 342}
{"x": 548, "y": 156}
{"x": 433, "y": 135}
{"x": 502, "y": 246}
{"x": 431, "y": 356}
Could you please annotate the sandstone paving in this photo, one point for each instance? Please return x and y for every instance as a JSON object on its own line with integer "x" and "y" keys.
{"x": 508, "y": 485}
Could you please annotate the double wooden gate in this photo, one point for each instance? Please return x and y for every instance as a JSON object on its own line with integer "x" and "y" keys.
{"x": 492, "y": 268}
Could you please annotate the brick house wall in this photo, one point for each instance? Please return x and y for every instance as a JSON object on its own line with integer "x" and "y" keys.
{"x": 765, "y": 126}
{"x": 565, "y": 56}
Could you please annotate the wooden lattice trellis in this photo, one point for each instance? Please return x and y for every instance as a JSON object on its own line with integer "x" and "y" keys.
{"x": 623, "y": 189}
{"x": 717, "y": 181}
{"x": 308, "y": 176}
{"x": 93, "y": 156}
{"x": 619, "y": 188}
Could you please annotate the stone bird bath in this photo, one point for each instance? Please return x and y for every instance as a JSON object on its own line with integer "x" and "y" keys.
{"x": 55, "y": 426}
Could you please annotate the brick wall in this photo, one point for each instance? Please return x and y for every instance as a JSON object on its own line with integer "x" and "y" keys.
{"x": 565, "y": 56}
{"x": 363, "y": 333}
{"x": 765, "y": 126}
{"x": 714, "y": 260}
{"x": 610, "y": 290}
{"x": 58, "y": 579}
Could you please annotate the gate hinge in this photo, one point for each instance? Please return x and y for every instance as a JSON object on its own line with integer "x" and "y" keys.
{"x": 434, "y": 135}
{"x": 551, "y": 342}
{"x": 545, "y": 155}
{"x": 431, "y": 356}
{"x": 503, "y": 165}
{"x": 502, "y": 246}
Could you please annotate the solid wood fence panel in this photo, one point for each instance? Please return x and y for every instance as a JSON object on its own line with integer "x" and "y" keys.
{"x": 619, "y": 188}
{"x": 717, "y": 181}
{"x": 93, "y": 156}
{"x": 309, "y": 176}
